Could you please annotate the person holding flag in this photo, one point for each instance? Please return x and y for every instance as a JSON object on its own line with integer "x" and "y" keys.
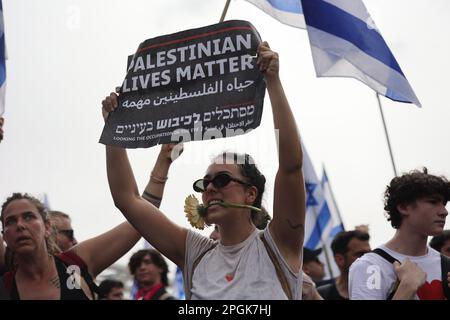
{"x": 246, "y": 263}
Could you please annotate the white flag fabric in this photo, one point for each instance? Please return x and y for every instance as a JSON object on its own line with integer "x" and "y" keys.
{"x": 286, "y": 11}
{"x": 2, "y": 62}
{"x": 346, "y": 43}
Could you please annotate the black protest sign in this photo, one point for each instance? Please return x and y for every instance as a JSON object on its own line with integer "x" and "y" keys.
{"x": 192, "y": 85}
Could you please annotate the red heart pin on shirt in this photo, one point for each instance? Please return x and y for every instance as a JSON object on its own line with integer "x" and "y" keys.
{"x": 229, "y": 277}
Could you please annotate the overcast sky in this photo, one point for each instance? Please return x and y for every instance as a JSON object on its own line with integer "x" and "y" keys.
{"x": 66, "y": 55}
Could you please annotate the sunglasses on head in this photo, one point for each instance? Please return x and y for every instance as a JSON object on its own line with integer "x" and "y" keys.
{"x": 68, "y": 233}
{"x": 219, "y": 181}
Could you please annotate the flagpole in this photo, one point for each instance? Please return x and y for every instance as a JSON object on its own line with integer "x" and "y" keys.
{"x": 225, "y": 9}
{"x": 387, "y": 134}
{"x": 327, "y": 259}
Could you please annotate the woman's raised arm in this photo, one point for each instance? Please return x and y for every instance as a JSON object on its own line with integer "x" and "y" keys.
{"x": 288, "y": 222}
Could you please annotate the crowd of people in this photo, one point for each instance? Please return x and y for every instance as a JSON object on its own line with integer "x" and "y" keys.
{"x": 251, "y": 254}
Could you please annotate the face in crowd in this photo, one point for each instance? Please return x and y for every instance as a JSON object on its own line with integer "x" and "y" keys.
{"x": 65, "y": 237}
{"x": 232, "y": 178}
{"x": 25, "y": 225}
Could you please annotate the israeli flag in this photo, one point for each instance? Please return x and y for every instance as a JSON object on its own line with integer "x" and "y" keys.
{"x": 319, "y": 219}
{"x": 286, "y": 11}
{"x": 2, "y": 62}
{"x": 323, "y": 220}
{"x": 345, "y": 42}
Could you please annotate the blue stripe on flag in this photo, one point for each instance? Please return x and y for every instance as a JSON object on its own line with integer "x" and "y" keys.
{"x": 293, "y": 6}
{"x": 335, "y": 230}
{"x": 322, "y": 220}
{"x": 394, "y": 96}
{"x": 329, "y": 198}
{"x": 328, "y": 18}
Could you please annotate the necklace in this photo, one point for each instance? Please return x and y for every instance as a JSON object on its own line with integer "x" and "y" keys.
{"x": 230, "y": 253}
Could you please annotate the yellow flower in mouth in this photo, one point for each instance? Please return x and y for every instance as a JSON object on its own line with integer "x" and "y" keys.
{"x": 191, "y": 207}
{"x": 196, "y": 212}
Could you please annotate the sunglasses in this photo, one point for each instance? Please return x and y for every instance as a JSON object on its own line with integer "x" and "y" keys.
{"x": 219, "y": 181}
{"x": 68, "y": 233}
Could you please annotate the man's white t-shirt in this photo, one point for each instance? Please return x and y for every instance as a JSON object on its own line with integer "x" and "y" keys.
{"x": 372, "y": 277}
{"x": 243, "y": 271}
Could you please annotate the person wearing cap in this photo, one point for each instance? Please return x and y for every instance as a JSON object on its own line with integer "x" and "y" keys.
{"x": 312, "y": 266}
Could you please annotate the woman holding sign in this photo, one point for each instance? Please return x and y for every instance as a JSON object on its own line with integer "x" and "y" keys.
{"x": 246, "y": 263}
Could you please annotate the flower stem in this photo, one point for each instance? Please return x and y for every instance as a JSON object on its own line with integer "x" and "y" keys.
{"x": 232, "y": 205}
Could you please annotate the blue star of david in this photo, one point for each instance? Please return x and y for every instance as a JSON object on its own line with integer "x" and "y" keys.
{"x": 310, "y": 200}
